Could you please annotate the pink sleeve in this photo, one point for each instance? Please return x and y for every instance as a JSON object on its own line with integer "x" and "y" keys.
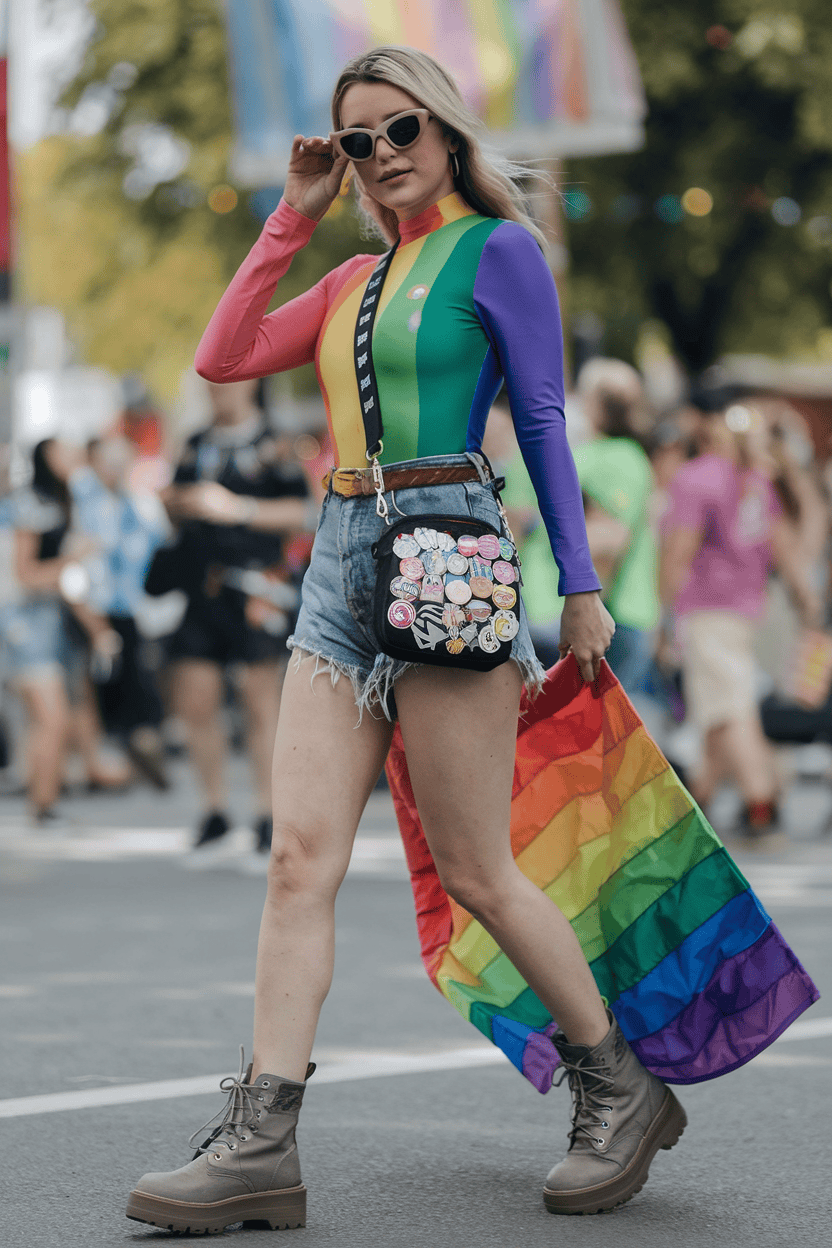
{"x": 240, "y": 340}
{"x": 686, "y": 504}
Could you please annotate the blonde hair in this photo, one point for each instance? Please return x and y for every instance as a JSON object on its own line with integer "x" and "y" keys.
{"x": 487, "y": 181}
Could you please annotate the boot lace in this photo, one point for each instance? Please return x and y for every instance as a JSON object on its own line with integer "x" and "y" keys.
{"x": 588, "y": 1084}
{"x": 240, "y": 1112}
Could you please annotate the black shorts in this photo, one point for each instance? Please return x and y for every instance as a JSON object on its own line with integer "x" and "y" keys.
{"x": 216, "y": 629}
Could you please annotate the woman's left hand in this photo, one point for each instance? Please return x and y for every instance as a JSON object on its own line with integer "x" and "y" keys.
{"x": 586, "y": 629}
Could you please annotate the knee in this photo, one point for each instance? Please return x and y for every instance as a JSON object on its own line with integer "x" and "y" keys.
{"x": 476, "y": 891}
{"x": 298, "y": 867}
{"x": 51, "y": 721}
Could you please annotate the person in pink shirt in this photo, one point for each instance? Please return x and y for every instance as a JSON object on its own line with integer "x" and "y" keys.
{"x": 723, "y": 534}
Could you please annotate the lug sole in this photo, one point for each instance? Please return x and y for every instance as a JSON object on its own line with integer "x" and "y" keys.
{"x": 665, "y": 1132}
{"x": 280, "y": 1211}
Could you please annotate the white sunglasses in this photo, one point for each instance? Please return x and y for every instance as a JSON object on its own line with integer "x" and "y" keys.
{"x": 358, "y": 143}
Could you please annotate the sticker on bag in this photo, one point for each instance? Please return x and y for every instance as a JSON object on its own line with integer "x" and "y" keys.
{"x": 427, "y": 628}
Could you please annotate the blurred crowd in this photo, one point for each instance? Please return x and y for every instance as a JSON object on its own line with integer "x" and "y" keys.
{"x": 709, "y": 527}
{"x": 133, "y": 620}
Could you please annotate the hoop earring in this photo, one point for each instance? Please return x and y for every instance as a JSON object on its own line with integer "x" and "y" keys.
{"x": 455, "y": 164}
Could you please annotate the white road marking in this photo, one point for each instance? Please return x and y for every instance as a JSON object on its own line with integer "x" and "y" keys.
{"x": 355, "y": 1065}
{"x": 807, "y": 1029}
{"x": 770, "y": 1058}
{"x": 372, "y": 854}
{"x": 362, "y": 1066}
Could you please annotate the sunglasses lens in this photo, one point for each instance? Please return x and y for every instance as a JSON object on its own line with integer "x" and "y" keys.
{"x": 357, "y": 146}
{"x": 404, "y": 130}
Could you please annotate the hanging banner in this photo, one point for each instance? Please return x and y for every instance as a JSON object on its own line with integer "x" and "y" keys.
{"x": 549, "y": 78}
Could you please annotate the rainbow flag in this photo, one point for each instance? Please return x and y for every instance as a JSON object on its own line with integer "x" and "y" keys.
{"x": 693, "y": 968}
{"x": 548, "y": 77}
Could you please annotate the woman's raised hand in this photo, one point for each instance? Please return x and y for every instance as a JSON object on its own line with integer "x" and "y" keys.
{"x": 314, "y": 177}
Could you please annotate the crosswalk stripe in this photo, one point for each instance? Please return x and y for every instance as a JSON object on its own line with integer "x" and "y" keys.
{"x": 355, "y": 1066}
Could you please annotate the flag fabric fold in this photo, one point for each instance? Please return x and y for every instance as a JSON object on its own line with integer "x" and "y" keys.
{"x": 693, "y": 968}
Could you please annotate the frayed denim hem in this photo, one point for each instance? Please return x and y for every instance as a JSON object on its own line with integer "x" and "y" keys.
{"x": 533, "y": 673}
{"x": 372, "y": 693}
{"x": 376, "y": 691}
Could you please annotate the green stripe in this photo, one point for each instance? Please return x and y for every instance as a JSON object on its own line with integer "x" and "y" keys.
{"x": 451, "y": 347}
{"x": 631, "y": 890}
{"x": 526, "y": 1008}
{"x": 660, "y": 929}
{"x": 679, "y": 911}
{"x": 396, "y": 345}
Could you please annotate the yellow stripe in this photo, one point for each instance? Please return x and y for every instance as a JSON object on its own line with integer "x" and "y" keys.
{"x": 497, "y": 68}
{"x": 336, "y": 367}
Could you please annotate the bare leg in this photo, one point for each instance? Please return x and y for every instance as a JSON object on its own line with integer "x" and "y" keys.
{"x": 196, "y": 690}
{"x": 712, "y": 767}
{"x": 324, "y": 771}
{"x": 750, "y": 759}
{"x": 47, "y": 712}
{"x": 739, "y": 750}
{"x": 260, "y": 685}
{"x": 459, "y": 731}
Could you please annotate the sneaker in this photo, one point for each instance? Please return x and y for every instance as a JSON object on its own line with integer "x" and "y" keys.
{"x": 759, "y": 820}
{"x": 213, "y": 827}
{"x": 263, "y": 834}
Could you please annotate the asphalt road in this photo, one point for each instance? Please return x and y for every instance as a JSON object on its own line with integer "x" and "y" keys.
{"x": 120, "y": 968}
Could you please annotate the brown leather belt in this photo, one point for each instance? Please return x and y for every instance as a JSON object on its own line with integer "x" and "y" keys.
{"x": 356, "y": 482}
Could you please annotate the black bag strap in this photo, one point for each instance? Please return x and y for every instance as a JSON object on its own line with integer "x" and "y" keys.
{"x": 365, "y": 372}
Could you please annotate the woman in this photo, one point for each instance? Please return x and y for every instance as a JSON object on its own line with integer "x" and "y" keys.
{"x": 467, "y": 302}
{"x": 723, "y": 532}
{"x": 46, "y": 653}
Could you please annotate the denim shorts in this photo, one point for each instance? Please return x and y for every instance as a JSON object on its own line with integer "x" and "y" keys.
{"x": 36, "y": 640}
{"x": 335, "y": 624}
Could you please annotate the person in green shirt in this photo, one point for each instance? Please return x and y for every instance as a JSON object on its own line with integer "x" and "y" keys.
{"x": 618, "y": 486}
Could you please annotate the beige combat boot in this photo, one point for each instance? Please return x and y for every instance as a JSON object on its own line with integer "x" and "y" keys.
{"x": 621, "y": 1116}
{"x": 246, "y": 1171}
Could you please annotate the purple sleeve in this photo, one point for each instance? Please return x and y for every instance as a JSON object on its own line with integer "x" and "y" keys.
{"x": 515, "y": 297}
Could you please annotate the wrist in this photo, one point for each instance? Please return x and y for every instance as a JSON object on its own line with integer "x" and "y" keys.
{"x": 302, "y": 218}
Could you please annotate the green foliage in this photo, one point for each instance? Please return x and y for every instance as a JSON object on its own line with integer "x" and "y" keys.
{"x": 744, "y": 112}
{"x": 138, "y": 278}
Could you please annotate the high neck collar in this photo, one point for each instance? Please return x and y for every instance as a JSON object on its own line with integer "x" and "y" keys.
{"x": 449, "y": 208}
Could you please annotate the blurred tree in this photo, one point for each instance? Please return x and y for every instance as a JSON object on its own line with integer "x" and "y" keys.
{"x": 740, "y": 99}
{"x": 126, "y": 221}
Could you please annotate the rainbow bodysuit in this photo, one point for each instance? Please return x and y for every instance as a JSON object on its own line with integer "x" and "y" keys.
{"x": 468, "y": 302}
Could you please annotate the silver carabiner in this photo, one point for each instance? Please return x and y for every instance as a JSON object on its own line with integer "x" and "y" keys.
{"x": 382, "y": 510}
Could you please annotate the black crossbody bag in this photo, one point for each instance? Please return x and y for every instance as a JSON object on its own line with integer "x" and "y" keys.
{"x": 447, "y": 587}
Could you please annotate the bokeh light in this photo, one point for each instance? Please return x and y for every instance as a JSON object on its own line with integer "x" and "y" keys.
{"x": 668, "y": 208}
{"x": 697, "y": 202}
{"x": 307, "y": 447}
{"x": 738, "y": 418}
{"x": 222, "y": 199}
{"x": 576, "y": 205}
{"x": 786, "y": 211}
